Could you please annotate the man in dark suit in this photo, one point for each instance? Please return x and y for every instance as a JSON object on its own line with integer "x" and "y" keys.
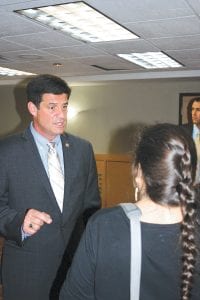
{"x": 37, "y": 228}
{"x": 193, "y": 127}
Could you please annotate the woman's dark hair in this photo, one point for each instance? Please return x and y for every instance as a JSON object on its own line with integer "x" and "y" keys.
{"x": 45, "y": 83}
{"x": 167, "y": 156}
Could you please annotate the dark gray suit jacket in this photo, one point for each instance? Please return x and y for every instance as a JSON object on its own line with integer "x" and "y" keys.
{"x": 29, "y": 268}
{"x": 188, "y": 127}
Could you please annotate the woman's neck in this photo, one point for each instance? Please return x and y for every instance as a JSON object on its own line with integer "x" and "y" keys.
{"x": 159, "y": 214}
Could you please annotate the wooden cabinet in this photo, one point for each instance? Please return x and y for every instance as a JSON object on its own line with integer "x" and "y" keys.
{"x": 115, "y": 178}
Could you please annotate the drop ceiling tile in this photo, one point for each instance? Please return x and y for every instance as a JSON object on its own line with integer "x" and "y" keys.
{"x": 29, "y": 56}
{"x": 13, "y": 25}
{"x": 117, "y": 47}
{"x": 75, "y": 51}
{"x": 128, "y": 11}
{"x": 109, "y": 62}
{"x": 51, "y": 38}
{"x": 195, "y": 4}
{"x": 6, "y": 46}
{"x": 167, "y": 28}
{"x": 185, "y": 54}
{"x": 177, "y": 43}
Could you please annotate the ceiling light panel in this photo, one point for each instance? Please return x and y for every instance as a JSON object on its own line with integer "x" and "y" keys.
{"x": 12, "y": 72}
{"x": 79, "y": 20}
{"x": 151, "y": 60}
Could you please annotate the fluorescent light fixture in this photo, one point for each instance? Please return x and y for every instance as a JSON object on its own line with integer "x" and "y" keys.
{"x": 12, "y": 72}
{"x": 79, "y": 20}
{"x": 151, "y": 60}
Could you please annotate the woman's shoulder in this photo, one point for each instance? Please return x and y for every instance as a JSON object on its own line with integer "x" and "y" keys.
{"x": 108, "y": 215}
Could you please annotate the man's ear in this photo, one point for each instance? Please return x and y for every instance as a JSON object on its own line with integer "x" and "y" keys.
{"x": 32, "y": 108}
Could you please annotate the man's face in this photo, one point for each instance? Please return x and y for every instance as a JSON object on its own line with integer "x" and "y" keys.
{"x": 51, "y": 116}
{"x": 196, "y": 113}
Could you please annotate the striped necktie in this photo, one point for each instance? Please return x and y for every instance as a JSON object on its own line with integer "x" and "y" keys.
{"x": 55, "y": 174}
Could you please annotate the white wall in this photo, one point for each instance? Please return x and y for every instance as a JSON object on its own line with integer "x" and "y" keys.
{"x": 109, "y": 112}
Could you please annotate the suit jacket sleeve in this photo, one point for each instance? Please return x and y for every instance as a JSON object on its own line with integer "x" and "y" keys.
{"x": 91, "y": 197}
{"x": 10, "y": 219}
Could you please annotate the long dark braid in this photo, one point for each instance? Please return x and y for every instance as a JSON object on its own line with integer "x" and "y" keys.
{"x": 168, "y": 160}
{"x": 187, "y": 199}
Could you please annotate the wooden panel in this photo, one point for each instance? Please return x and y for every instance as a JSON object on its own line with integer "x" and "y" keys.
{"x": 119, "y": 183}
{"x": 115, "y": 179}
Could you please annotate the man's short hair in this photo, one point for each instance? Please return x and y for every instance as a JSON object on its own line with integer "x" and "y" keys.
{"x": 45, "y": 83}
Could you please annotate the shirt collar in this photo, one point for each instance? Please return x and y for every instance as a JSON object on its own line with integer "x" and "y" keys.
{"x": 195, "y": 130}
{"x": 42, "y": 140}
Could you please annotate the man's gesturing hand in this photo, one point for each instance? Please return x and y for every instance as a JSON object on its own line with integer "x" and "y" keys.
{"x": 34, "y": 220}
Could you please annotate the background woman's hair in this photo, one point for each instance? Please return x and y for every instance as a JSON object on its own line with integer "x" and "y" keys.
{"x": 168, "y": 159}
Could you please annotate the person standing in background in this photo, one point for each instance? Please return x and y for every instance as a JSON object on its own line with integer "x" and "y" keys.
{"x": 193, "y": 127}
{"x": 48, "y": 181}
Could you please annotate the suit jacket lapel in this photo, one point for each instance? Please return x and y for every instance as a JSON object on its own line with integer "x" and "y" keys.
{"x": 68, "y": 158}
{"x": 37, "y": 165}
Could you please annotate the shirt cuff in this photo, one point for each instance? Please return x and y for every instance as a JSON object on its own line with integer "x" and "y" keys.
{"x": 24, "y": 234}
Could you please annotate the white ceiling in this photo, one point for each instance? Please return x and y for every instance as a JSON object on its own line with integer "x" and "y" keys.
{"x": 171, "y": 26}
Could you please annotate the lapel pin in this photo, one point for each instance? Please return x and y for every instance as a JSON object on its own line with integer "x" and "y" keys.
{"x": 67, "y": 145}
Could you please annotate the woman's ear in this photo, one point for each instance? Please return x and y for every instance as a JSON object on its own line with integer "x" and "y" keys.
{"x": 138, "y": 182}
{"x": 138, "y": 179}
{"x": 137, "y": 173}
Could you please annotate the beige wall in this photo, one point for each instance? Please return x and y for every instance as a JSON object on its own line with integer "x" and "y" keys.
{"x": 13, "y": 113}
{"x": 109, "y": 113}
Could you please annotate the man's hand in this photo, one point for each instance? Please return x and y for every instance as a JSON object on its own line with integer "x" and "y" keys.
{"x": 34, "y": 220}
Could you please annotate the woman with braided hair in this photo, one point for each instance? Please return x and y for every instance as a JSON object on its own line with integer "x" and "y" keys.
{"x": 164, "y": 173}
